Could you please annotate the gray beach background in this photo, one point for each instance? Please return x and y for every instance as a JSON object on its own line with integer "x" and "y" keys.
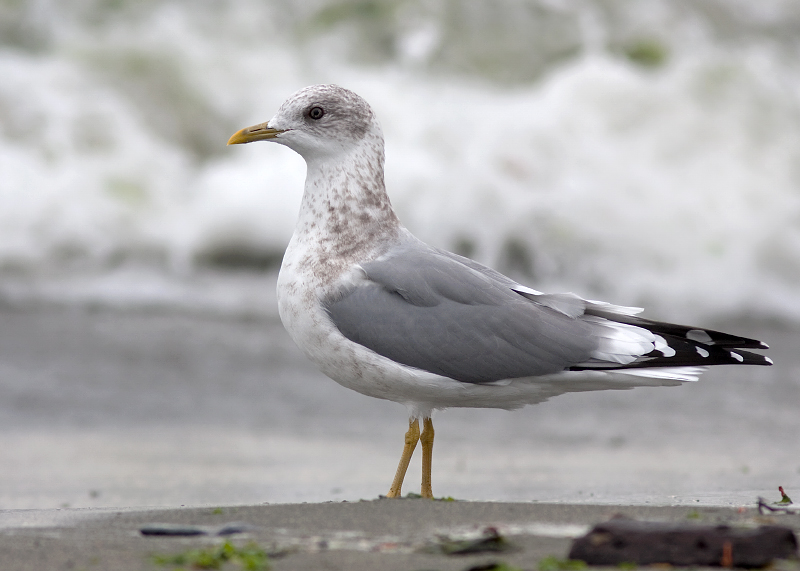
{"x": 149, "y": 407}
{"x": 644, "y": 155}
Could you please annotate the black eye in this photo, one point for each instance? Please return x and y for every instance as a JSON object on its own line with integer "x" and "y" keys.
{"x": 316, "y": 113}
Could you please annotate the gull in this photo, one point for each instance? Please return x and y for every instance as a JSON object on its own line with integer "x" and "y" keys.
{"x": 382, "y": 313}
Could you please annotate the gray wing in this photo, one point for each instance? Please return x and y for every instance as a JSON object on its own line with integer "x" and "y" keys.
{"x": 427, "y": 309}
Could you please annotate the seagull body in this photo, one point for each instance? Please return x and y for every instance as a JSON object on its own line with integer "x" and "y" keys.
{"x": 383, "y": 313}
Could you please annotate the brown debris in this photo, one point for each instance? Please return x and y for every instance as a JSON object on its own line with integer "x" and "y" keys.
{"x": 647, "y": 543}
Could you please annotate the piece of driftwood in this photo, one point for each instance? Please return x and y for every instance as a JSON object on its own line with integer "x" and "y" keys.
{"x": 777, "y": 507}
{"x": 645, "y": 543}
{"x": 185, "y": 530}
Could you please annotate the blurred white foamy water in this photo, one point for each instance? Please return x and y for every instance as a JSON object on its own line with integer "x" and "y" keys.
{"x": 643, "y": 155}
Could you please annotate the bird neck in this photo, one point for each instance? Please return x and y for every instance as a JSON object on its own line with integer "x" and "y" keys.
{"x": 345, "y": 209}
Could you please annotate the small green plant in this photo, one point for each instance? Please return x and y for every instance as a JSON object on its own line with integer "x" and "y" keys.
{"x": 249, "y": 558}
{"x": 216, "y": 511}
{"x": 694, "y": 514}
{"x": 553, "y": 563}
{"x": 784, "y": 498}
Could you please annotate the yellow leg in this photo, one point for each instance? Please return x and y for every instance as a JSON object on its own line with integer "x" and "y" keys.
{"x": 412, "y": 437}
{"x": 426, "y": 438}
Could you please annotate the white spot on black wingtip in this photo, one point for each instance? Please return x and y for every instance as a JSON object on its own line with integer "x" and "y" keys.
{"x": 702, "y": 352}
{"x": 737, "y": 357}
{"x": 768, "y": 360}
{"x": 661, "y": 345}
{"x": 699, "y": 335}
{"x": 763, "y": 345}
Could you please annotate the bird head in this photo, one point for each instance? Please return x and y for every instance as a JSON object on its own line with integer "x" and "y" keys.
{"x": 319, "y": 121}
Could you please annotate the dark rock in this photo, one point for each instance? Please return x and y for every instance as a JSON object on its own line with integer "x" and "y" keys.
{"x": 646, "y": 543}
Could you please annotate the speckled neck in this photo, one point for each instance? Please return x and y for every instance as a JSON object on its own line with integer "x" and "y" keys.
{"x": 346, "y": 212}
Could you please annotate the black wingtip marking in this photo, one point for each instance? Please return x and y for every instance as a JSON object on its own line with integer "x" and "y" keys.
{"x": 688, "y": 347}
{"x": 700, "y": 335}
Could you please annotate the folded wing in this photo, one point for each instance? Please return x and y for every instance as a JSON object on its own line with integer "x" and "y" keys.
{"x": 439, "y": 312}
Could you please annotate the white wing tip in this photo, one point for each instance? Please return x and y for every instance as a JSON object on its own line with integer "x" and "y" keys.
{"x": 618, "y": 309}
{"x": 682, "y": 374}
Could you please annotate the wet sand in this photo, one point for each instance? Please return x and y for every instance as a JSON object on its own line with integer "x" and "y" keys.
{"x": 382, "y": 534}
{"x": 109, "y": 416}
{"x": 145, "y": 408}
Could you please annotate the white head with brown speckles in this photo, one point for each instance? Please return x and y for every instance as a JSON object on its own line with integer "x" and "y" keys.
{"x": 318, "y": 122}
{"x": 345, "y": 208}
